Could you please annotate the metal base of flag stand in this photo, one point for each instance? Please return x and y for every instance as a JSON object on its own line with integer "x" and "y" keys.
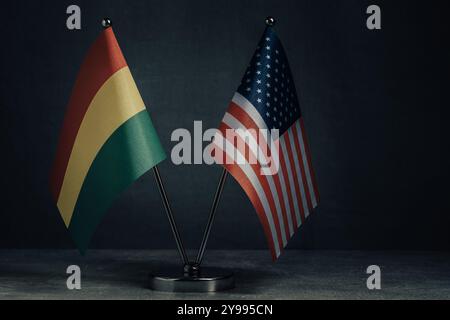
{"x": 193, "y": 279}
{"x": 196, "y": 278}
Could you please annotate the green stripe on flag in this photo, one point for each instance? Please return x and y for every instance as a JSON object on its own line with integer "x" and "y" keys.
{"x": 132, "y": 150}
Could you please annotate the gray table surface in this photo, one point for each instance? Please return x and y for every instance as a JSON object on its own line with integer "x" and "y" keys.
{"x": 110, "y": 274}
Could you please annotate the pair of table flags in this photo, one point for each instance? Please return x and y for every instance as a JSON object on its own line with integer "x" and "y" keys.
{"x": 108, "y": 141}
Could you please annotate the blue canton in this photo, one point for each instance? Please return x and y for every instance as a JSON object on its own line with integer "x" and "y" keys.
{"x": 269, "y": 86}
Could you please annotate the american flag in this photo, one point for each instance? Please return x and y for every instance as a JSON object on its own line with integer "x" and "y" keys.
{"x": 267, "y": 99}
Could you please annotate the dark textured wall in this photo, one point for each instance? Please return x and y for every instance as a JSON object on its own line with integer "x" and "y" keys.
{"x": 374, "y": 105}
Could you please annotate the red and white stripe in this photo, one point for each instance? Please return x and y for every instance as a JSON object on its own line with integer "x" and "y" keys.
{"x": 282, "y": 200}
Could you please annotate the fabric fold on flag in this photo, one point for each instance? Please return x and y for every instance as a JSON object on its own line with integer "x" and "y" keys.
{"x": 107, "y": 140}
{"x": 267, "y": 100}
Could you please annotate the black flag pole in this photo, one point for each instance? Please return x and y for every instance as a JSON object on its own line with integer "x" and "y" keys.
{"x": 193, "y": 278}
{"x": 107, "y": 23}
{"x": 170, "y": 216}
{"x": 212, "y": 216}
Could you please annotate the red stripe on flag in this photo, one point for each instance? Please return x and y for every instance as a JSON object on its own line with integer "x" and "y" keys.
{"x": 290, "y": 156}
{"x": 263, "y": 181}
{"x": 245, "y": 183}
{"x": 308, "y": 157}
{"x": 242, "y": 116}
{"x": 103, "y": 60}
{"x": 248, "y": 123}
{"x": 276, "y": 180}
{"x": 302, "y": 167}
{"x": 288, "y": 188}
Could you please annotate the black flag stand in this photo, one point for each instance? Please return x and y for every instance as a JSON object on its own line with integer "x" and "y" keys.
{"x": 212, "y": 216}
{"x": 168, "y": 209}
{"x": 195, "y": 277}
{"x": 192, "y": 278}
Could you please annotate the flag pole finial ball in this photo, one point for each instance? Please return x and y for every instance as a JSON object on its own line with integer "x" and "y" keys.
{"x": 106, "y": 23}
{"x": 270, "y": 21}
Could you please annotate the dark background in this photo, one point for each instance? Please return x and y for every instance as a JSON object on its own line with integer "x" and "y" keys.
{"x": 374, "y": 104}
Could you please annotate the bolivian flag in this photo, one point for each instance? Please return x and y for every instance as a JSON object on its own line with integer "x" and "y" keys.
{"x": 107, "y": 140}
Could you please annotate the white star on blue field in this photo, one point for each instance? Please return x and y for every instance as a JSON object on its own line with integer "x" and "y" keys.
{"x": 269, "y": 86}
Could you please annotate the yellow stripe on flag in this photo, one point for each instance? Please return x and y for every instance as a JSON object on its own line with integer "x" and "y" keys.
{"x": 117, "y": 101}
